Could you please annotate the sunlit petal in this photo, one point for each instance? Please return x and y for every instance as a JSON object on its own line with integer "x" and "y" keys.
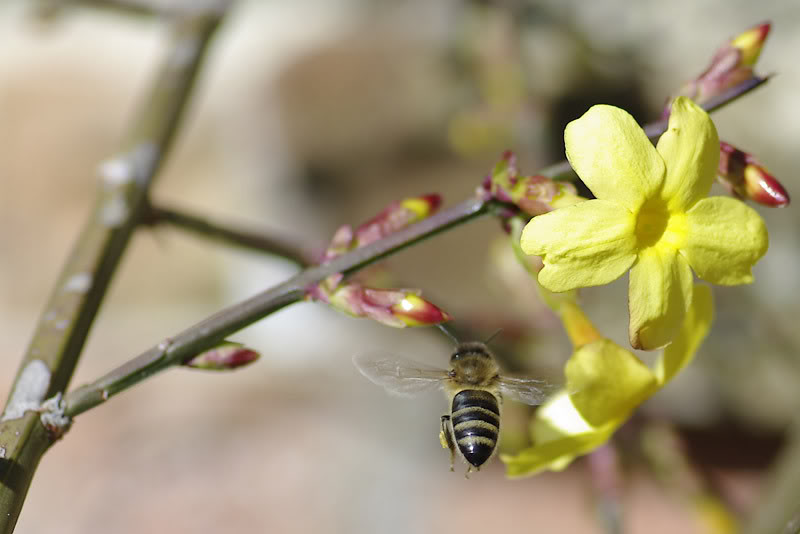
{"x": 559, "y": 434}
{"x": 690, "y": 149}
{"x": 725, "y": 239}
{"x": 558, "y": 417}
{"x": 588, "y": 244}
{"x": 659, "y": 294}
{"x": 613, "y": 156}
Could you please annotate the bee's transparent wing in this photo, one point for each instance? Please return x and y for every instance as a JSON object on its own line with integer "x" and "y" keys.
{"x": 526, "y": 390}
{"x": 397, "y": 375}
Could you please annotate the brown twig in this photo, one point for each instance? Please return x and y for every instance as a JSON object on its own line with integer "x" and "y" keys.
{"x": 268, "y": 242}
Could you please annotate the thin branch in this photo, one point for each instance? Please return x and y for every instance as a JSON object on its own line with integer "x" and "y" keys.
{"x": 563, "y": 171}
{"x": 59, "y": 337}
{"x": 211, "y": 331}
{"x": 250, "y": 239}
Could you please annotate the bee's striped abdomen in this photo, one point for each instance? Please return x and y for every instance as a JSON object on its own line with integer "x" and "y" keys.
{"x": 476, "y": 423}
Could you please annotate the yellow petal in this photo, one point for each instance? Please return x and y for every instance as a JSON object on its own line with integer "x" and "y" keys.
{"x": 588, "y": 244}
{"x": 725, "y": 239}
{"x": 690, "y": 149}
{"x": 659, "y": 294}
{"x": 554, "y": 455}
{"x": 613, "y": 156}
{"x": 695, "y": 328}
{"x": 560, "y": 434}
{"x": 607, "y": 382}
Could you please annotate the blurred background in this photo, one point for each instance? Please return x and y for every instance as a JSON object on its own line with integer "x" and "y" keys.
{"x": 312, "y": 114}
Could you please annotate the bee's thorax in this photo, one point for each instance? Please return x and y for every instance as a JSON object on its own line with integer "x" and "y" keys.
{"x": 473, "y": 364}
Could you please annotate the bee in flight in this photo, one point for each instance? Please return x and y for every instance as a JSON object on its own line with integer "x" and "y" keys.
{"x": 475, "y": 390}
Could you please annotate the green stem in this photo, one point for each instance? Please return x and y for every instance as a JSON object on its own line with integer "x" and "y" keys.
{"x": 60, "y": 335}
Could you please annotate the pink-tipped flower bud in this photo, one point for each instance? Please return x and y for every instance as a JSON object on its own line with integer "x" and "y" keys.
{"x": 393, "y": 307}
{"x": 533, "y": 195}
{"x": 731, "y": 65}
{"x": 763, "y": 188}
{"x": 416, "y": 311}
{"x": 394, "y": 217}
{"x": 223, "y": 357}
{"x": 744, "y": 177}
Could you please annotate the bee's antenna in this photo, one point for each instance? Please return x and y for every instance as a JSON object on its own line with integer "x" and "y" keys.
{"x": 490, "y": 338}
{"x": 448, "y": 333}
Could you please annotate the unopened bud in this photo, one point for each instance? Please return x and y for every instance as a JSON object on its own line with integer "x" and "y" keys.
{"x": 224, "y": 357}
{"x": 533, "y": 195}
{"x": 341, "y": 242}
{"x": 394, "y": 217}
{"x": 416, "y": 311}
{"x": 742, "y": 174}
{"x": 751, "y": 42}
{"x": 393, "y": 307}
{"x": 731, "y": 65}
{"x": 539, "y": 194}
{"x": 422, "y": 206}
{"x": 761, "y": 187}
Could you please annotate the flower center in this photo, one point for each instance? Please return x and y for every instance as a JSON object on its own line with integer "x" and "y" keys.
{"x": 656, "y": 225}
{"x": 652, "y": 222}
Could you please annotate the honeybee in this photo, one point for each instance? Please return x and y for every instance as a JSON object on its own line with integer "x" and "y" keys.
{"x": 474, "y": 388}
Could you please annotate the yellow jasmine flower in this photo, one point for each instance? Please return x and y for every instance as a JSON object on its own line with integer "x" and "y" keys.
{"x": 606, "y": 383}
{"x": 650, "y": 216}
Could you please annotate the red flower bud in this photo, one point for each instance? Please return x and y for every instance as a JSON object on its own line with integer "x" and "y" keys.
{"x": 393, "y": 307}
{"x": 416, "y": 311}
{"x": 742, "y": 174}
{"x": 223, "y": 357}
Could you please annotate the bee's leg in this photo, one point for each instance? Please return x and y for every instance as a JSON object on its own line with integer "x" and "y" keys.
{"x": 446, "y": 438}
{"x": 469, "y": 469}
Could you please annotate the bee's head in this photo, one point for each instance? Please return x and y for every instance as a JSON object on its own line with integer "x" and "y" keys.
{"x": 472, "y": 363}
{"x": 470, "y": 349}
